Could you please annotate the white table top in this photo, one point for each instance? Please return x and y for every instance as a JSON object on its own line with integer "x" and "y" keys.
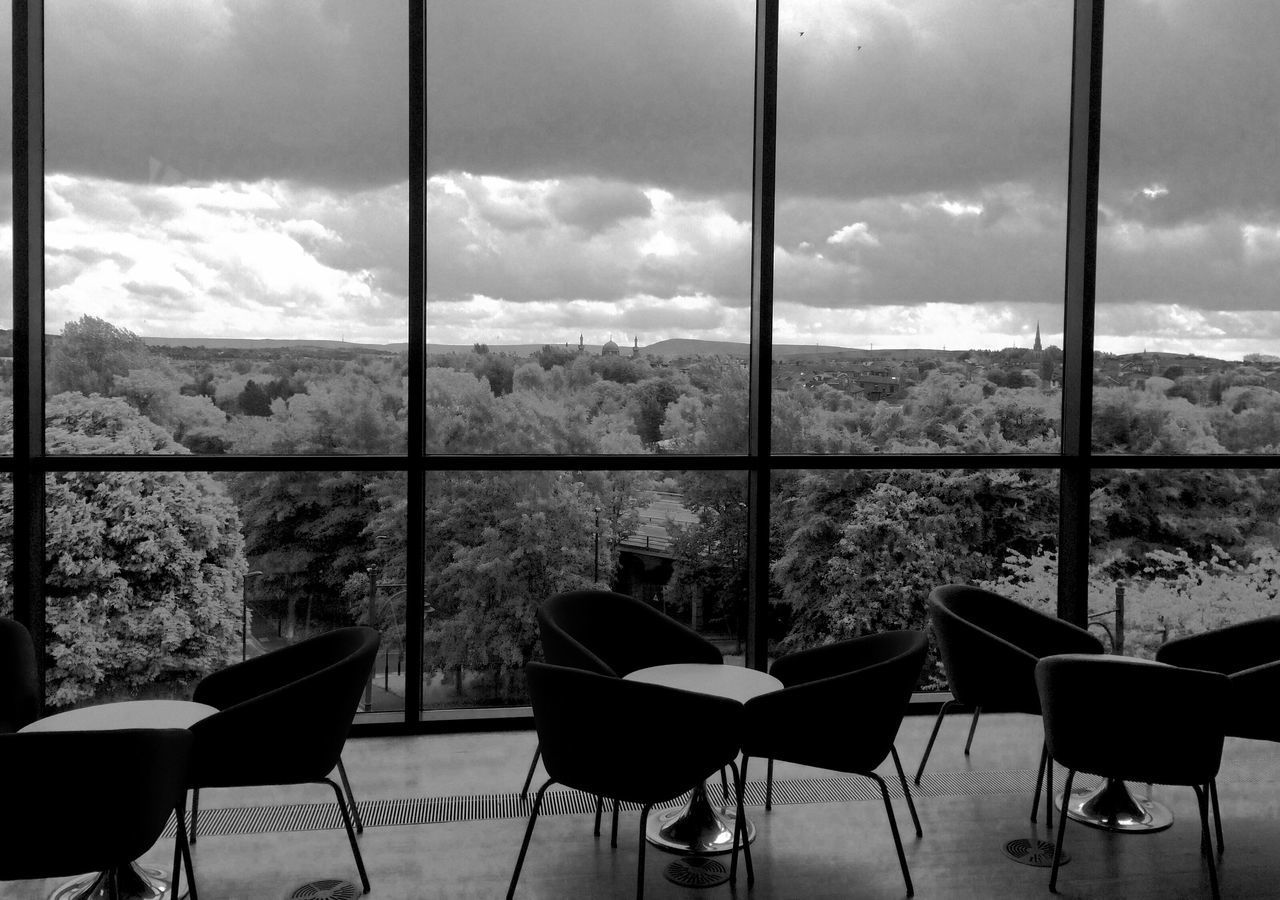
{"x": 735, "y": 682}
{"x": 126, "y": 714}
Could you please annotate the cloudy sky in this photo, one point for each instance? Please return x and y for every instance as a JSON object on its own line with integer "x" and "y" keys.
{"x": 238, "y": 168}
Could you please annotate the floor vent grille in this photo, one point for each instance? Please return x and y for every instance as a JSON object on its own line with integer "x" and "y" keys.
{"x": 474, "y": 807}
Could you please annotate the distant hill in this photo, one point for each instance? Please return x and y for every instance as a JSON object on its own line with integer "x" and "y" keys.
{"x": 675, "y": 348}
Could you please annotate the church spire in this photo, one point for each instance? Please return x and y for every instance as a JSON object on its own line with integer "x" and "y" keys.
{"x": 1036, "y": 346}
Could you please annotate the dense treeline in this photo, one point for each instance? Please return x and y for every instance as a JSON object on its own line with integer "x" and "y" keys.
{"x": 852, "y": 551}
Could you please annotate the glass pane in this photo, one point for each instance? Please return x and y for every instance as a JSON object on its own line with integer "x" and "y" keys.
{"x": 589, "y": 225}
{"x": 499, "y": 543}
{"x": 1188, "y": 327}
{"x": 921, "y": 177}
{"x": 1181, "y": 551}
{"x": 158, "y": 578}
{"x": 857, "y": 552}
{"x": 227, "y": 219}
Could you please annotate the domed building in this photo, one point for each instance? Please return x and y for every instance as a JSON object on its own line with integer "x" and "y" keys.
{"x": 609, "y": 349}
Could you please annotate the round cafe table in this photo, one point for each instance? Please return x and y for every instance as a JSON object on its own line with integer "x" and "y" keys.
{"x": 699, "y": 827}
{"x": 137, "y": 882}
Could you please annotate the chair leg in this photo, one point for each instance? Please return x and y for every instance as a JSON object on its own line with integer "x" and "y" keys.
{"x": 768, "y": 786}
{"x": 613, "y": 839}
{"x": 740, "y": 829}
{"x": 644, "y": 817}
{"x": 528, "y": 833}
{"x": 599, "y": 810}
{"x": 1048, "y": 792}
{"x": 1062, "y": 830}
{"x": 528, "y": 779}
{"x": 893, "y": 827}
{"x": 1202, "y": 799}
{"x": 195, "y": 813}
{"x": 351, "y": 833}
{"x": 906, "y": 791}
{"x": 928, "y": 748}
{"x": 1217, "y": 814}
{"x": 973, "y": 726}
{"x": 182, "y": 849}
{"x": 351, "y": 798}
{"x": 1035, "y": 799}
{"x": 724, "y": 785}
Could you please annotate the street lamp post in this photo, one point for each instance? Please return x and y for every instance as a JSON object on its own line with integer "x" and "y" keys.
{"x": 244, "y": 613}
{"x": 595, "y": 577}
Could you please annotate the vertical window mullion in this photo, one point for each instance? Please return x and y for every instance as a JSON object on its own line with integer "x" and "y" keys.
{"x": 1081, "y": 270}
{"x": 28, "y": 318}
{"x": 414, "y": 527}
{"x": 763, "y": 189}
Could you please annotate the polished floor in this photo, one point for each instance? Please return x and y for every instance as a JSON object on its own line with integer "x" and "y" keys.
{"x": 463, "y": 825}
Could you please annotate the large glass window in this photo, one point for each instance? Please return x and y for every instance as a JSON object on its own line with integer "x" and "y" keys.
{"x": 1180, "y": 551}
{"x": 922, "y": 174}
{"x": 226, "y": 224}
{"x": 589, "y": 226}
{"x": 1188, "y": 326}
{"x": 320, "y": 279}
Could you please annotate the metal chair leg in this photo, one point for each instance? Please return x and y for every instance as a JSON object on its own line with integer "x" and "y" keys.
{"x": 973, "y": 726}
{"x": 599, "y": 810}
{"x": 528, "y": 833}
{"x": 351, "y": 833}
{"x": 1217, "y": 814}
{"x": 644, "y": 817}
{"x": 182, "y": 851}
{"x": 768, "y": 786}
{"x": 906, "y": 791}
{"x": 1035, "y": 799}
{"x": 893, "y": 826}
{"x": 613, "y": 839}
{"x": 933, "y": 737}
{"x": 1062, "y": 830}
{"x": 724, "y": 785}
{"x": 740, "y": 829}
{"x": 1048, "y": 792}
{"x": 528, "y": 779}
{"x": 195, "y": 813}
{"x": 1202, "y": 799}
{"x": 351, "y": 798}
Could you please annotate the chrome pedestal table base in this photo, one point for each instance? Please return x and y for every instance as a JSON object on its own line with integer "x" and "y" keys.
{"x": 697, "y": 828}
{"x": 1111, "y": 807}
{"x": 137, "y": 882}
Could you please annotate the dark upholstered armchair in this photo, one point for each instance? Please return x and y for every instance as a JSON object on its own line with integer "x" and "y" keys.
{"x": 609, "y": 737}
{"x": 989, "y": 646}
{"x": 284, "y": 717}
{"x": 19, "y": 685}
{"x": 613, "y": 634}
{"x": 867, "y": 682}
{"x": 1088, "y": 699}
{"x": 138, "y": 776}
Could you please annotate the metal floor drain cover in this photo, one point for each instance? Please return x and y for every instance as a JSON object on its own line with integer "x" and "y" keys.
{"x": 1033, "y": 853}
{"x": 696, "y": 872}
{"x": 328, "y": 889}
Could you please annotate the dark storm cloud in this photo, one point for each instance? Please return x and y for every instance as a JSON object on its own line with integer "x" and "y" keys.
{"x": 241, "y": 90}
{"x": 595, "y": 206}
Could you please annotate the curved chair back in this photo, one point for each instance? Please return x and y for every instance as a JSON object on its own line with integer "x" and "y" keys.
{"x": 611, "y": 737}
{"x": 1248, "y": 653}
{"x": 1231, "y": 649}
{"x": 989, "y": 646}
{"x": 130, "y": 781}
{"x": 591, "y": 629}
{"x": 1132, "y": 719}
{"x": 284, "y": 716}
{"x": 865, "y": 683}
{"x": 19, "y": 682}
